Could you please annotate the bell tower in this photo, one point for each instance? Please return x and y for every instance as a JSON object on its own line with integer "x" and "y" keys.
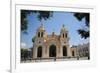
{"x": 39, "y": 43}
{"x": 41, "y": 31}
{"x": 64, "y": 40}
{"x": 64, "y": 32}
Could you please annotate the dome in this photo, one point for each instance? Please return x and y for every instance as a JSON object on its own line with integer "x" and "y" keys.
{"x": 41, "y": 27}
{"x": 63, "y": 28}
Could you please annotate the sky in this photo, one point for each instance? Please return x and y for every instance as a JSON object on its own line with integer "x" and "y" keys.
{"x": 54, "y": 24}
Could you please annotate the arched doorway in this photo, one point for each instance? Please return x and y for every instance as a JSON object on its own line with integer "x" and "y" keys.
{"x": 39, "y": 51}
{"x": 64, "y": 51}
{"x": 52, "y": 51}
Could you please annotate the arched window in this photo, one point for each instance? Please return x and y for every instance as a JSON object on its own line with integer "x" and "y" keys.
{"x": 66, "y": 35}
{"x": 38, "y": 34}
{"x": 41, "y": 34}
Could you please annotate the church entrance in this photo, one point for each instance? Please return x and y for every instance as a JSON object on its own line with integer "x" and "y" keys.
{"x": 52, "y": 51}
{"x": 39, "y": 52}
{"x": 64, "y": 51}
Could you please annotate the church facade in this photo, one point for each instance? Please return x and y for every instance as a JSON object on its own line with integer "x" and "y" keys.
{"x": 51, "y": 46}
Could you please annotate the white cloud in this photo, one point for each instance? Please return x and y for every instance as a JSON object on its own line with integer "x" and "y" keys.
{"x": 23, "y": 45}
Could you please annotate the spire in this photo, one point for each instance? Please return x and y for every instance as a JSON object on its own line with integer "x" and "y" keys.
{"x": 42, "y": 23}
{"x": 41, "y": 27}
{"x": 53, "y": 33}
{"x": 63, "y": 28}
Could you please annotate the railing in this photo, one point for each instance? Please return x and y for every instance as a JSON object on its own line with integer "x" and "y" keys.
{"x": 50, "y": 58}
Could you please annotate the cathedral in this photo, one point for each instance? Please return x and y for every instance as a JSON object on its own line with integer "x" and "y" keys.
{"x": 46, "y": 46}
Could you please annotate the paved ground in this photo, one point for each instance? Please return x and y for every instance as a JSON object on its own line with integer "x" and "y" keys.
{"x": 46, "y": 60}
